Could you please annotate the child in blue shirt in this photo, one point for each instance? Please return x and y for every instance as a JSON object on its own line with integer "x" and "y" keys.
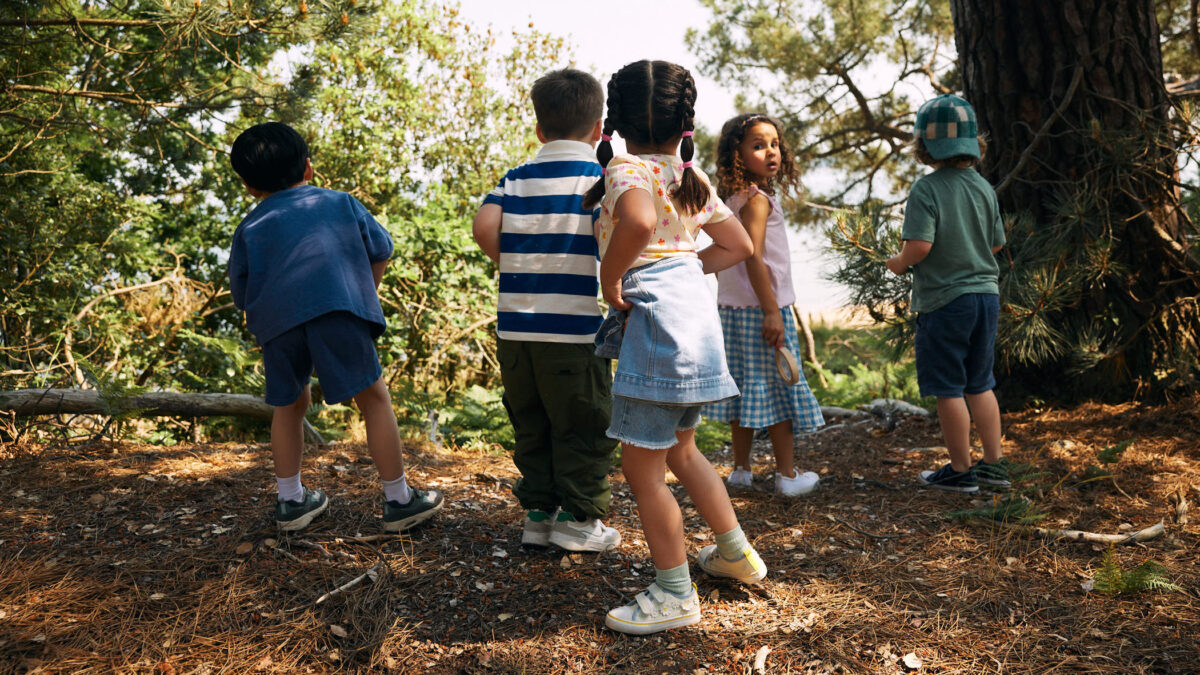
{"x": 952, "y": 231}
{"x": 304, "y": 265}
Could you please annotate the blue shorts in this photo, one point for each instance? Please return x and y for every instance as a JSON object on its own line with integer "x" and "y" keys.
{"x": 338, "y": 345}
{"x": 650, "y": 425}
{"x": 956, "y": 346}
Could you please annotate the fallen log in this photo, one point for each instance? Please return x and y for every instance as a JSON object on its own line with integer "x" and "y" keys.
{"x": 27, "y": 402}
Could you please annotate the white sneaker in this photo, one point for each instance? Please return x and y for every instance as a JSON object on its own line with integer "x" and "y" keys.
{"x": 798, "y": 484}
{"x": 590, "y": 535}
{"x": 749, "y": 569}
{"x": 655, "y": 610}
{"x": 537, "y": 532}
{"x": 740, "y": 477}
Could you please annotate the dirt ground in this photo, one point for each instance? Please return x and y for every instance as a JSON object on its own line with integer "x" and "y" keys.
{"x": 140, "y": 559}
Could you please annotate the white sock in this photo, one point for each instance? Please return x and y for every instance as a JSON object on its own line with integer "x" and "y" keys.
{"x": 397, "y": 490}
{"x": 290, "y": 489}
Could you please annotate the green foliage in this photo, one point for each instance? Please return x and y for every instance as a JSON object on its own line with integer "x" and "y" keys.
{"x": 712, "y": 435}
{"x": 121, "y": 202}
{"x": 1112, "y": 453}
{"x": 859, "y": 365}
{"x": 1113, "y": 580}
{"x": 815, "y": 66}
{"x": 1012, "y": 508}
{"x": 477, "y": 417}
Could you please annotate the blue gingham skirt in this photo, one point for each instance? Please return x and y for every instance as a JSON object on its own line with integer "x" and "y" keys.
{"x": 765, "y": 398}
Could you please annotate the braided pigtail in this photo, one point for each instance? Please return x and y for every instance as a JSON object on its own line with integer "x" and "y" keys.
{"x": 692, "y": 193}
{"x": 604, "y": 151}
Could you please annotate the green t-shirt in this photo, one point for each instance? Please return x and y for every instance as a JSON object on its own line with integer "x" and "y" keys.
{"x": 956, "y": 210}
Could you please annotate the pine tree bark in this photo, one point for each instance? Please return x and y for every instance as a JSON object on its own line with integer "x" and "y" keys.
{"x": 1081, "y": 141}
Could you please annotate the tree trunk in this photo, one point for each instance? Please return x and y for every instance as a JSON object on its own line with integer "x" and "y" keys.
{"x": 1100, "y": 294}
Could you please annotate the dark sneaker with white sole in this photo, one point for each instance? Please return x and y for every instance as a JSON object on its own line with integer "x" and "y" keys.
{"x": 421, "y": 506}
{"x": 296, "y": 515}
{"x": 946, "y": 478}
{"x": 994, "y": 474}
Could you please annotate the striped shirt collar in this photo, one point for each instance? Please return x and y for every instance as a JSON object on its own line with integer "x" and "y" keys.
{"x": 564, "y": 150}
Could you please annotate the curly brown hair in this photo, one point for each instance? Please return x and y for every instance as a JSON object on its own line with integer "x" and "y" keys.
{"x": 732, "y": 177}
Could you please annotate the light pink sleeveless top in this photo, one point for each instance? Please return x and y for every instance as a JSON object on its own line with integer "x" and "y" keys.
{"x": 733, "y": 285}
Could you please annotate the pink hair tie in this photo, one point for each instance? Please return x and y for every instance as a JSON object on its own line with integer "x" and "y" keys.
{"x": 605, "y": 137}
{"x": 686, "y": 165}
{"x": 687, "y": 134}
{"x": 603, "y": 172}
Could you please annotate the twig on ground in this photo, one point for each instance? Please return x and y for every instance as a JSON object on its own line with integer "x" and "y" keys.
{"x": 313, "y": 545}
{"x": 286, "y": 554}
{"x": 1146, "y": 534}
{"x": 371, "y": 573}
{"x": 371, "y": 537}
{"x": 864, "y": 532}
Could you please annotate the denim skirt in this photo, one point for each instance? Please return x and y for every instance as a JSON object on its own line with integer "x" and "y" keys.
{"x": 668, "y": 345}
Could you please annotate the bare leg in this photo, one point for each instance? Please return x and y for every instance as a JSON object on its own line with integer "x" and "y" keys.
{"x": 287, "y": 435}
{"x": 383, "y": 437}
{"x": 743, "y": 438}
{"x": 702, "y": 483}
{"x": 783, "y": 444}
{"x": 986, "y": 412}
{"x": 662, "y": 522}
{"x": 956, "y": 430}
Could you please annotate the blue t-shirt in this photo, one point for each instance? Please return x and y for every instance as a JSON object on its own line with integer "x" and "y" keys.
{"x": 304, "y": 252}
{"x": 548, "y": 263}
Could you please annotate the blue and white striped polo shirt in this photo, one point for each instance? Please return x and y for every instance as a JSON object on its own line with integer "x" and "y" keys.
{"x": 548, "y": 252}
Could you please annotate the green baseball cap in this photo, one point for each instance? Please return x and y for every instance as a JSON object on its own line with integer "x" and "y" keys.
{"x": 947, "y": 126}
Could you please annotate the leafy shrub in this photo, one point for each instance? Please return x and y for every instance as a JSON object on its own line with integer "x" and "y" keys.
{"x": 1148, "y": 576}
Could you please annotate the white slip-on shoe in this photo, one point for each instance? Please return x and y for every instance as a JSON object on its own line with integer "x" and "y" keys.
{"x": 798, "y": 484}
{"x": 740, "y": 477}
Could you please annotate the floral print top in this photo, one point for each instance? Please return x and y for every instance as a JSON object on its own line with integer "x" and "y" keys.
{"x": 675, "y": 234}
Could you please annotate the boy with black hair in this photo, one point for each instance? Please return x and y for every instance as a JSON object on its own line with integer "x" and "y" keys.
{"x": 305, "y": 264}
{"x": 952, "y": 231}
{"x": 556, "y": 390}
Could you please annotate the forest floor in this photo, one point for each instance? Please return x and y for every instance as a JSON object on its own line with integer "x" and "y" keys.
{"x": 120, "y": 557}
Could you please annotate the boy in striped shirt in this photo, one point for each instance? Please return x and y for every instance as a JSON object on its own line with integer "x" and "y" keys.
{"x": 556, "y": 390}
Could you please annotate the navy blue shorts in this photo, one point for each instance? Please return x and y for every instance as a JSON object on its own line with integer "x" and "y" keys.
{"x": 956, "y": 346}
{"x": 339, "y": 345}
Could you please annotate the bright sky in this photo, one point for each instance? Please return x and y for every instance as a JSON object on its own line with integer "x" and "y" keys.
{"x": 604, "y": 37}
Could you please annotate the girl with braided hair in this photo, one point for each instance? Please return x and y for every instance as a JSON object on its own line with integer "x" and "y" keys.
{"x": 664, "y": 330}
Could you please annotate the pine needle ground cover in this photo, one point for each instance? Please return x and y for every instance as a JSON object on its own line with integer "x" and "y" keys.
{"x": 133, "y": 558}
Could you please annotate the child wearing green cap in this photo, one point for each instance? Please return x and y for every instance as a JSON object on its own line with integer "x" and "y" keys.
{"x": 952, "y": 232}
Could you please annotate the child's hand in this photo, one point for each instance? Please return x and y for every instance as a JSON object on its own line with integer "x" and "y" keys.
{"x": 612, "y": 295}
{"x": 772, "y": 330}
{"x": 898, "y": 268}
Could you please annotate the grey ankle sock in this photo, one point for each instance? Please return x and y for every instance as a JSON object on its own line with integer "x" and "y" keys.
{"x": 676, "y": 580}
{"x": 732, "y": 544}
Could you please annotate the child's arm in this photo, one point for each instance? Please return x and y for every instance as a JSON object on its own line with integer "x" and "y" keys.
{"x": 913, "y": 252}
{"x": 730, "y": 246}
{"x": 754, "y": 219}
{"x": 633, "y": 225}
{"x": 486, "y": 229}
{"x": 377, "y": 270}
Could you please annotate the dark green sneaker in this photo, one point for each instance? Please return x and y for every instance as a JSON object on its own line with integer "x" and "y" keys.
{"x": 992, "y": 475}
{"x": 399, "y": 517}
{"x": 296, "y": 515}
